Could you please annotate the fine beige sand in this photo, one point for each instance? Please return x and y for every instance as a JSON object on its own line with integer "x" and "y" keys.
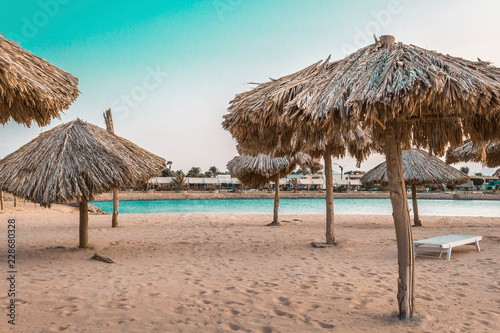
{"x": 225, "y": 273}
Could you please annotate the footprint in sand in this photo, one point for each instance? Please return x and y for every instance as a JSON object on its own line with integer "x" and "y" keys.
{"x": 68, "y": 311}
{"x": 234, "y": 327}
{"x": 280, "y": 313}
{"x": 324, "y": 325}
{"x": 152, "y": 294}
{"x": 118, "y": 303}
{"x": 251, "y": 291}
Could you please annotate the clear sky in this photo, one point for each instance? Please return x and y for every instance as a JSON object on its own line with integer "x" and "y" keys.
{"x": 168, "y": 69}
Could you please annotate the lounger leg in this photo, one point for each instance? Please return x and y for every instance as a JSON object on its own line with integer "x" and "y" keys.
{"x": 449, "y": 253}
{"x": 477, "y": 246}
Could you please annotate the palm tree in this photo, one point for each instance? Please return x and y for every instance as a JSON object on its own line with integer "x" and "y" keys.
{"x": 179, "y": 181}
{"x": 194, "y": 172}
{"x": 465, "y": 170}
{"x": 295, "y": 183}
{"x": 169, "y": 163}
{"x": 214, "y": 170}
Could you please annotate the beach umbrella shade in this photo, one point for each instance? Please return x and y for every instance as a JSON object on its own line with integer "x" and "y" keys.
{"x": 257, "y": 171}
{"x": 253, "y": 119}
{"x": 74, "y": 162}
{"x": 497, "y": 173}
{"x": 419, "y": 168}
{"x": 488, "y": 154}
{"x": 31, "y": 89}
{"x": 405, "y": 96}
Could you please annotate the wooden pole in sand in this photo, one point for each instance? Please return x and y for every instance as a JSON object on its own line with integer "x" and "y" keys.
{"x": 402, "y": 222}
{"x": 108, "y": 118}
{"x": 416, "y": 218}
{"x": 84, "y": 223}
{"x": 276, "y": 199}
{"x": 1, "y": 200}
{"x": 330, "y": 236}
{"x": 15, "y": 201}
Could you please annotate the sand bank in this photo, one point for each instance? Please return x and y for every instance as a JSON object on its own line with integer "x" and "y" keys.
{"x": 225, "y": 273}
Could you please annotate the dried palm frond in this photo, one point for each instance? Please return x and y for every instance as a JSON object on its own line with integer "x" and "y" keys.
{"x": 490, "y": 155}
{"x": 31, "y": 89}
{"x": 497, "y": 173}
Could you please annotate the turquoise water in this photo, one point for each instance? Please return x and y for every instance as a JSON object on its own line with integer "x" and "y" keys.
{"x": 305, "y": 206}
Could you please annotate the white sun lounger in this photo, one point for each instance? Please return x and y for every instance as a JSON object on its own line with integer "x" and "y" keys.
{"x": 444, "y": 244}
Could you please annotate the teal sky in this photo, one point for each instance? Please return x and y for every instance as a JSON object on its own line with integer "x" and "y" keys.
{"x": 204, "y": 52}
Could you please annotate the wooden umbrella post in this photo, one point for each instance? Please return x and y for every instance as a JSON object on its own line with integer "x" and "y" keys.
{"x": 15, "y": 201}
{"x": 1, "y": 200}
{"x": 116, "y": 201}
{"x": 84, "y": 223}
{"x": 276, "y": 200}
{"x": 330, "y": 236}
{"x": 108, "y": 118}
{"x": 416, "y": 218}
{"x": 402, "y": 223}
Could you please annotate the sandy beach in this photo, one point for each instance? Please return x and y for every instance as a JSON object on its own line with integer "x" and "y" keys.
{"x": 224, "y": 273}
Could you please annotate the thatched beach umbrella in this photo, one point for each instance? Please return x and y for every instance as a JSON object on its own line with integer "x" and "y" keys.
{"x": 490, "y": 156}
{"x": 31, "y": 89}
{"x": 257, "y": 171}
{"x": 254, "y": 121}
{"x": 74, "y": 162}
{"x": 497, "y": 173}
{"x": 403, "y": 94}
{"x": 419, "y": 168}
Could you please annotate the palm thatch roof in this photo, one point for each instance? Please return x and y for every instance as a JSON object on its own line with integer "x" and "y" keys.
{"x": 75, "y": 161}
{"x": 420, "y": 89}
{"x": 419, "y": 168}
{"x": 253, "y": 119}
{"x": 257, "y": 171}
{"x": 31, "y": 89}
{"x": 490, "y": 155}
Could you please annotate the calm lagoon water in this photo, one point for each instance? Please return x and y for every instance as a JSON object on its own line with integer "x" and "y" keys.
{"x": 305, "y": 206}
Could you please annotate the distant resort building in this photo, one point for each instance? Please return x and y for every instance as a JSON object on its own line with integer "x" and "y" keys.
{"x": 314, "y": 182}
{"x": 227, "y": 183}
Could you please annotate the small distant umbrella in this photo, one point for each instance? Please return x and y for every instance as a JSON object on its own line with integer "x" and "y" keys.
{"x": 257, "y": 171}
{"x": 490, "y": 156}
{"x": 497, "y": 173}
{"x": 31, "y": 89}
{"x": 74, "y": 162}
{"x": 419, "y": 168}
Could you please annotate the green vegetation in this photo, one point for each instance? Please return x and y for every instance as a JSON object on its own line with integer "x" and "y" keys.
{"x": 477, "y": 181}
